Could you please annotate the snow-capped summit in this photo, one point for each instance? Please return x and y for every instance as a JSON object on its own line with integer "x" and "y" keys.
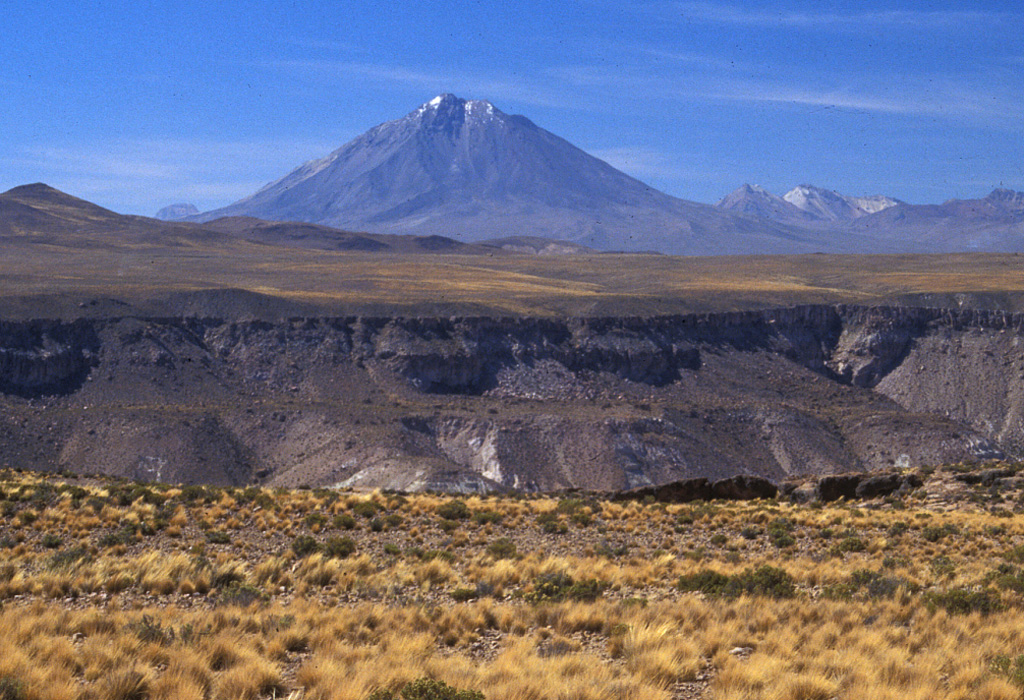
{"x": 829, "y": 205}
{"x": 754, "y": 200}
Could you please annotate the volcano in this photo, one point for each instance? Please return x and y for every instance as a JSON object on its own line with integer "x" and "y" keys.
{"x": 467, "y": 170}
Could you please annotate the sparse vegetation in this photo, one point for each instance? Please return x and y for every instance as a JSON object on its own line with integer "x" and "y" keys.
{"x": 100, "y": 602}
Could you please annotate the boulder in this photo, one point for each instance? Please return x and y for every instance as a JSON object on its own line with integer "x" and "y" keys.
{"x": 832, "y": 488}
{"x": 744, "y": 487}
{"x": 985, "y": 477}
{"x": 879, "y": 486}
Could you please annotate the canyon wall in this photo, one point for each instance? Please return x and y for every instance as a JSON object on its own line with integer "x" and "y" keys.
{"x": 470, "y": 404}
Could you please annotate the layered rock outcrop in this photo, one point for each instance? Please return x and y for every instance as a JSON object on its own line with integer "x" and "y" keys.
{"x": 600, "y": 403}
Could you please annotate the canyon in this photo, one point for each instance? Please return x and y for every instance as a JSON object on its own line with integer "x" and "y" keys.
{"x": 491, "y": 403}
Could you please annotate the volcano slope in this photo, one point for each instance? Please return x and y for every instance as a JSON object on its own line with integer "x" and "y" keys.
{"x": 478, "y": 403}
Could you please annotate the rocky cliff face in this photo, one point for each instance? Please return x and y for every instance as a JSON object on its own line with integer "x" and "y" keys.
{"x": 490, "y": 403}
{"x": 45, "y": 357}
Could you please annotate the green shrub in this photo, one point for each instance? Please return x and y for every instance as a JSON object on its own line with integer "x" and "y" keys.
{"x": 241, "y": 594}
{"x": 582, "y": 518}
{"x": 125, "y": 536}
{"x": 11, "y": 688}
{"x": 502, "y": 548}
{"x": 764, "y": 581}
{"x": 51, "y": 541}
{"x": 314, "y": 519}
{"x": 218, "y": 537}
{"x": 365, "y": 509}
{"x": 962, "y": 601}
{"x": 453, "y": 510}
{"x": 934, "y": 533}
{"x": 1011, "y": 669}
{"x": 344, "y": 521}
{"x": 304, "y": 545}
{"x": 68, "y": 558}
{"x": 487, "y": 517}
{"x": 871, "y": 583}
{"x": 462, "y": 595}
{"x": 426, "y": 689}
{"x": 551, "y": 523}
{"x": 339, "y": 547}
{"x": 849, "y": 544}
{"x": 942, "y": 566}
{"x": 706, "y": 581}
{"x": 557, "y": 587}
{"x": 781, "y": 539}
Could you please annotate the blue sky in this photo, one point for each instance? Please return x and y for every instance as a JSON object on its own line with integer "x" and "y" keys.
{"x": 139, "y": 104}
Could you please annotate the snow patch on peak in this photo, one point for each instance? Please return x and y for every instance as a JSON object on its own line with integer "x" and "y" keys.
{"x": 830, "y": 205}
{"x": 478, "y": 108}
{"x": 436, "y": 101}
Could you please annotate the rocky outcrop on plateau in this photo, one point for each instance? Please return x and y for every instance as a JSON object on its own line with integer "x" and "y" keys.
{"x": 477, "y": 404}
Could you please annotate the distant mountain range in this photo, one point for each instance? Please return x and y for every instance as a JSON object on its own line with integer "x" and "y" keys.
{"x": 993, "y": 223}
{"x": 803, "y": 204}
{"x": 39, "y": 215}
{"x": 466, "y": 170}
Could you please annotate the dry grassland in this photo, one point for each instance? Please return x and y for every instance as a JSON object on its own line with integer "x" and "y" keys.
{"x": 113, "y": 590}
{"x": 350, "y": 282}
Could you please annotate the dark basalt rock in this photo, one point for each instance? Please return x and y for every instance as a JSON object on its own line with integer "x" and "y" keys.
{"x": 744, "y": 487}
{"x": 684, "y": 491}
{"x": 832, "y": 488}
{"x": 985, "y": 477}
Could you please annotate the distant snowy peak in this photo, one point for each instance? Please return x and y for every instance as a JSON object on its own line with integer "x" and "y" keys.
{"x": 754, "y": 200}
{"x": 828, "y": 205}
{"x": 875, "y": 203}
{"x": 448, "y": 103}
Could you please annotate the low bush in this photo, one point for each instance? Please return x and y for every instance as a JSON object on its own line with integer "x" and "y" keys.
{"x": 339, "y": 547}
{"x": 769, "y": 581}
{"x": 557, "y": 587}
{"x": 426, "y": 689}
{"x": 453, "y": 510}
{"x": 962, "y": 601}
{"x": 502, "y": 548}
{"x": 304, "y": 545}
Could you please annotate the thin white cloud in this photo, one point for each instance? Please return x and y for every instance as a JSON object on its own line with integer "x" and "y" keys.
{"x": 986, "y": 95}
{"x": 958, "y": 99}
{"x": 721, "y": 13}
